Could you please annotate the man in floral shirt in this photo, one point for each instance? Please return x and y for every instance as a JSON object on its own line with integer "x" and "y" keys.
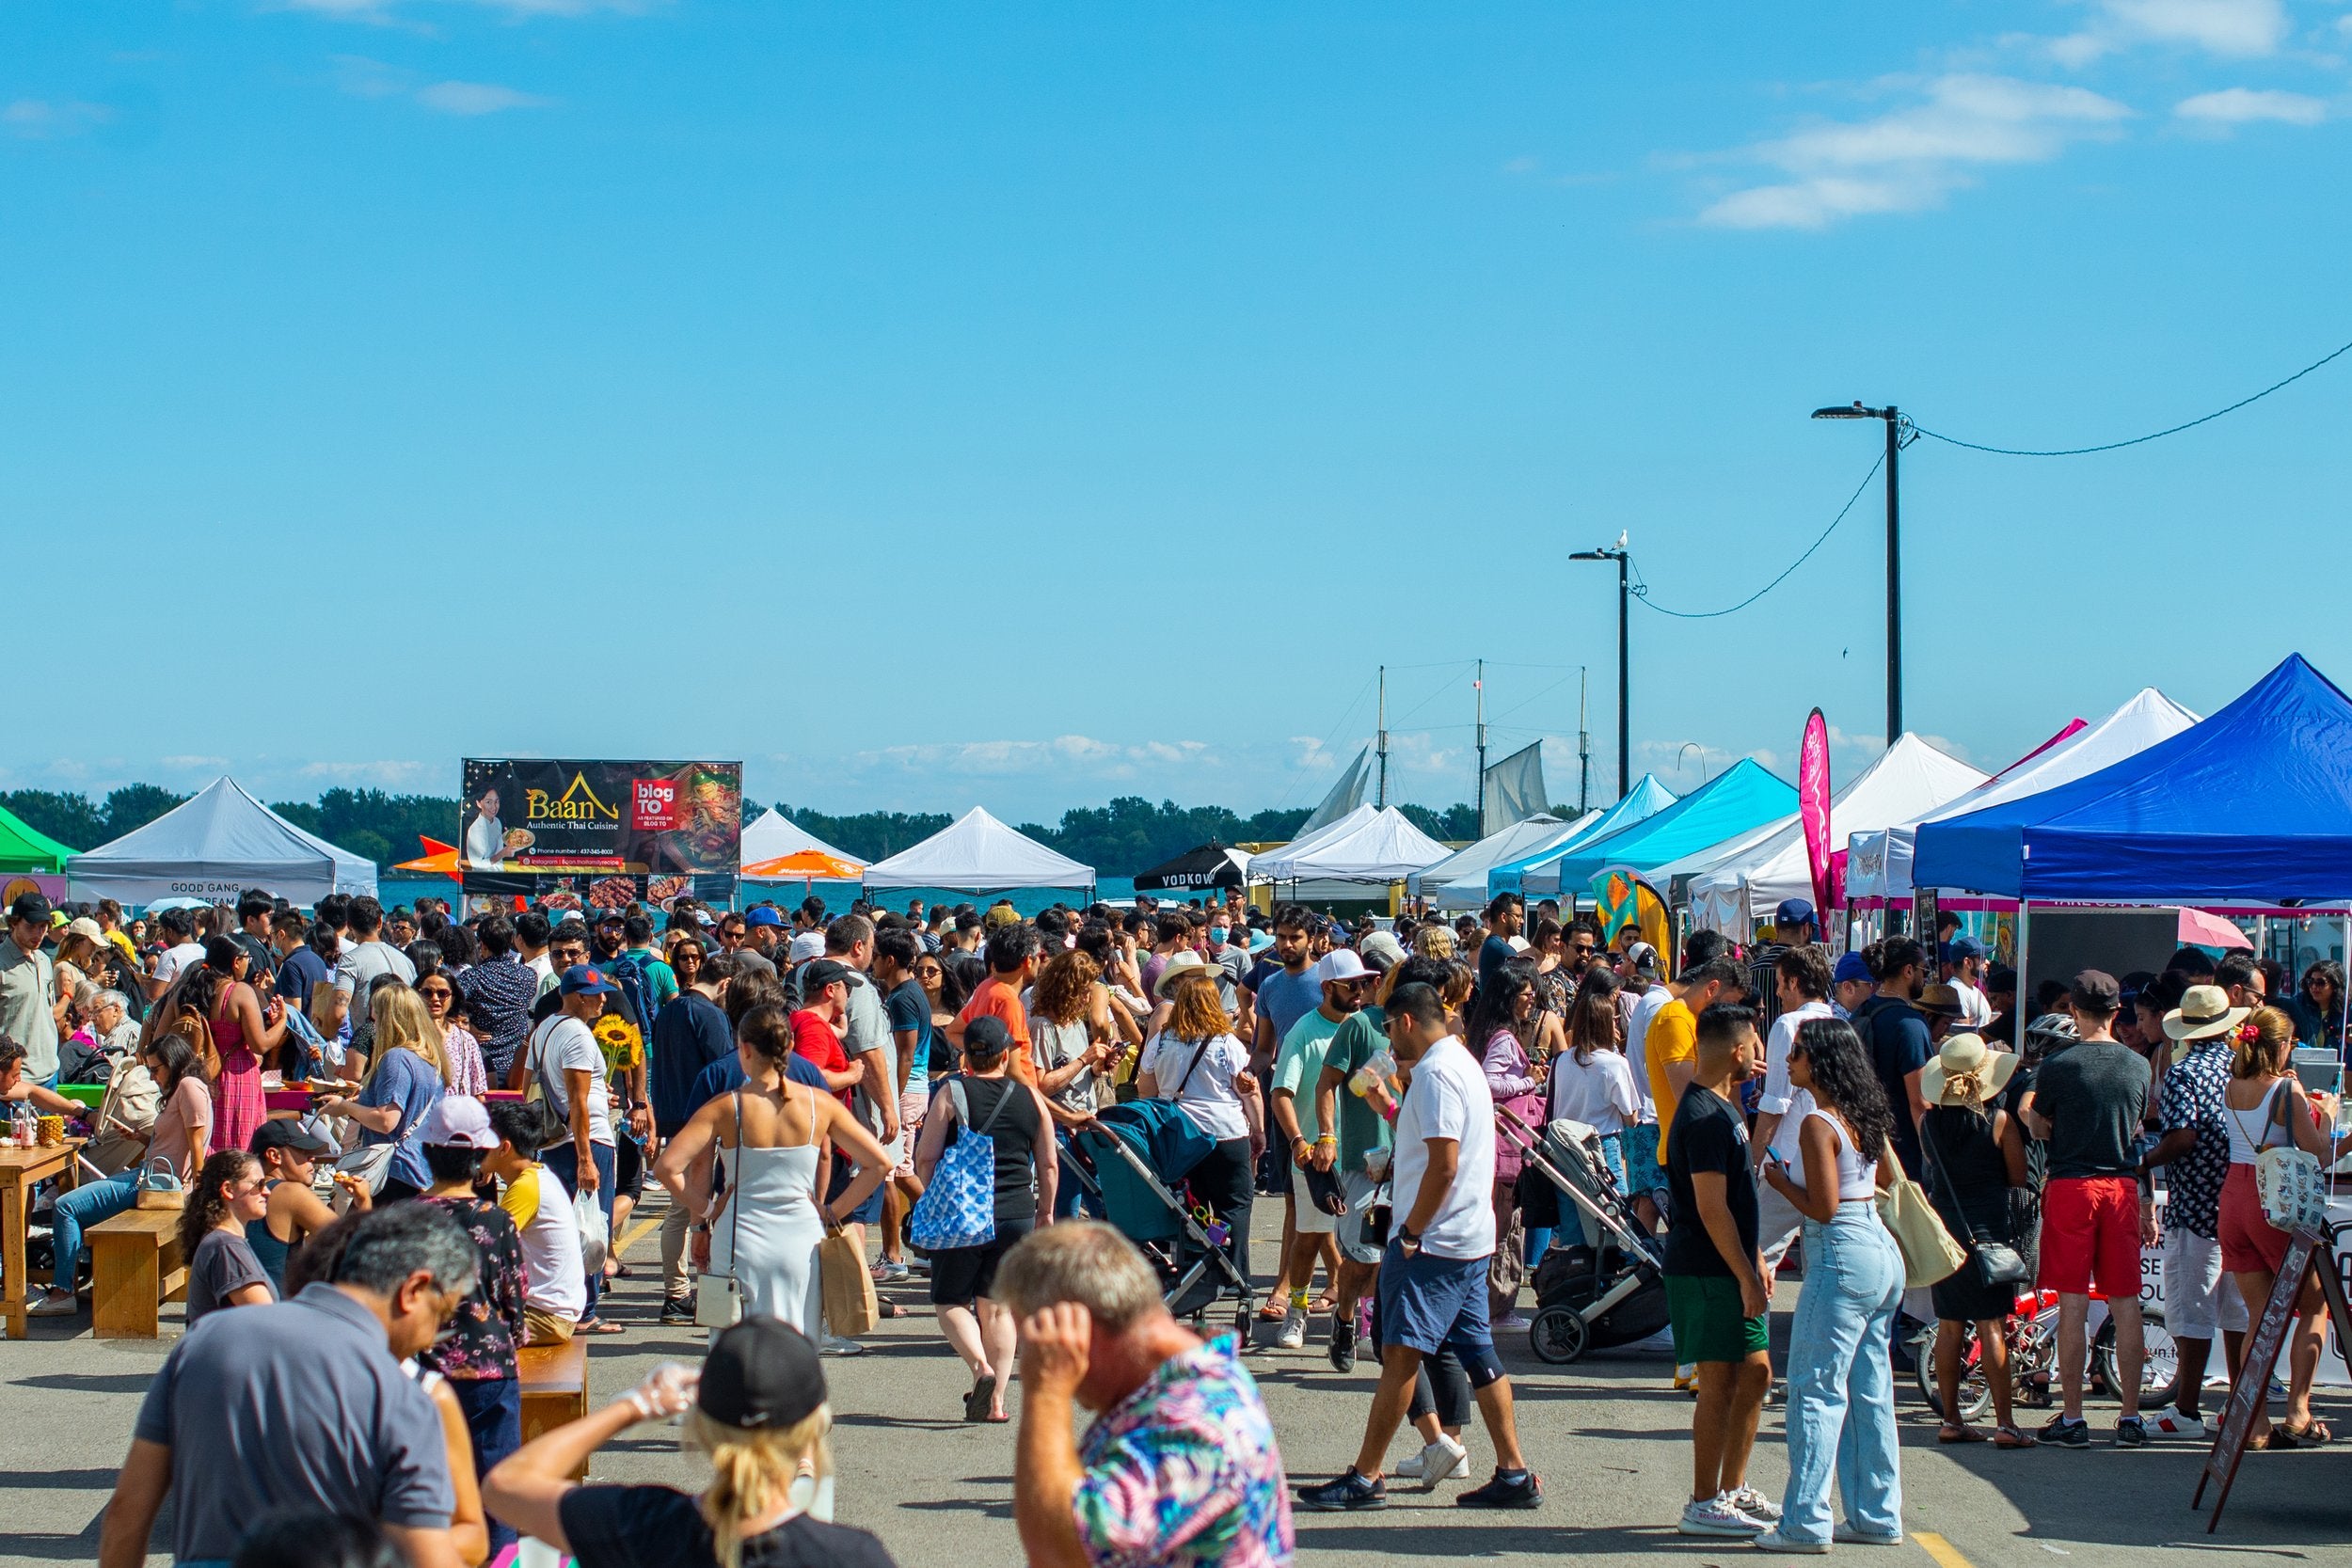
{"x": 2193, "y": 1151}
{"x": 1179, "y": 1470}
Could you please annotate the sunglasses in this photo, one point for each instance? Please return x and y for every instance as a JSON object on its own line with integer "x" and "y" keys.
{"x": 434, "y": 990}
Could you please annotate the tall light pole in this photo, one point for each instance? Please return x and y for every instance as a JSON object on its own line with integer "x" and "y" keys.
{"x": 1893, "y": 557}
{"x": 1625, "y": 679}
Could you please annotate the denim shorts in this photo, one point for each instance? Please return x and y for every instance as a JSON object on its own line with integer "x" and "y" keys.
{"x": 1427, "y": 1301}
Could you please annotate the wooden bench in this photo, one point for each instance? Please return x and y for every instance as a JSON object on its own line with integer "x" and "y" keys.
{"x": 556, "y": 1389}
{"x": 135, "y": 1267}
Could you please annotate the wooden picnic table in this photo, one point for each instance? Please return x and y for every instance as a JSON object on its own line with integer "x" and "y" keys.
{"x": 20, "y": 1169}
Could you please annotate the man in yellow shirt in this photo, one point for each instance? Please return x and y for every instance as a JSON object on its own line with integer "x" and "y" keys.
{"x": 1670, "y": 1050}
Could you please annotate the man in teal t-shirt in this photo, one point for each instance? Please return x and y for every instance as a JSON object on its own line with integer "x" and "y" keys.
{"x": 1297, "y": 1071}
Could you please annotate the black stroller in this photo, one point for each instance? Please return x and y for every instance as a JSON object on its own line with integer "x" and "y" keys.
{"x": 1591, "y": 1295}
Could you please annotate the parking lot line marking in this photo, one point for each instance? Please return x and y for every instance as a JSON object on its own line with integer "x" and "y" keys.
{"x": 1945, "y": 1554}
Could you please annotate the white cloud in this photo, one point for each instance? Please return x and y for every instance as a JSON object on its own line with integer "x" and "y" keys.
{"x": 1914, "y": 156}
{"x": 189, "y": 764}
{"x": 2235, "y": 29}
{"x": 383, "y": 775}
{"x": 41, "y": 120}
{"x": 2244, "y": 106}
{"x": 476, "y": 98}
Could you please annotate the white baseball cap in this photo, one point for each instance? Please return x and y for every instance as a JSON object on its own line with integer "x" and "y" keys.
{"x": 457, "y": 1121}
{"x": 1341, "y": 963}
{"x": 807, "y": 945}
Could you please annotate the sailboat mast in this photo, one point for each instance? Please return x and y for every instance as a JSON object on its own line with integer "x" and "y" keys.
{"x": 1380, "y": 794}
{"x": 1480, "y": 686}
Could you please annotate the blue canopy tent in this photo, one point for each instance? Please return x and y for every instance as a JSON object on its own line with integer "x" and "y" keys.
{"x": 2253, "y": 806}
{"x": 1736, "y": 802}
{"x": 1644, "y": 801}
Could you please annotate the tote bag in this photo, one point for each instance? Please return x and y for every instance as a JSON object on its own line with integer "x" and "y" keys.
{"x": 719, "y": 1297}
{"x": 850, "y": 1306}
{"x": 2287, "y": 1180}
{"x": 1929, "y": 1254}
{"x": 959, "y": 1208}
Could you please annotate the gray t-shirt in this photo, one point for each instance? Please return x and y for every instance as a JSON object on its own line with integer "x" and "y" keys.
{"x": 2094, "y": 1094}
{"x": 361, "y": 965}
{"x": 224, "y": 1263}
{"x": 295, "y": 1406}
{"x": 869, "y": 1030}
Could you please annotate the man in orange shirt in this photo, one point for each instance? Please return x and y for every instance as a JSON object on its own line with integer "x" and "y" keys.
{"x": 1011, "y": 965}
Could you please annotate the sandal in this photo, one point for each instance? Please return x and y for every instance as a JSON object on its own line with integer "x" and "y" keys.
{"x": 1958, "y": 1432}
{"x": 2277, "y": 1440}
{"x": 2009, "y": 1437}
{"x": 2310, "y": 1435}
{"x": 598, "y": 1325}
{"x": 975, "y": 1404}
{"x": 1273, "y": 1313}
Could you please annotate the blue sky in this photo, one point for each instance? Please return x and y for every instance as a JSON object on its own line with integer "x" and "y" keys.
{"x": 1019, "y": 404}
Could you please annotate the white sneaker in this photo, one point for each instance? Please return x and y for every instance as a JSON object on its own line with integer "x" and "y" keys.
{"x": 52, "y": 1306}
{"x": 833, "y": 1344}
{"x": 1294, "y": 1334}
{"x": 2173, "y": 1424}
{"x": 1773, "y": 1540}
{"x": 1849, "y": 1535}
{"x": 1755, "y": 1504}
{"x": 1717, "y": 1516}
{"x": 1444, "y": 1460}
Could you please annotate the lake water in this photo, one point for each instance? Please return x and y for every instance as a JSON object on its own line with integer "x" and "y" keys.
{"x": 396, "y": 889}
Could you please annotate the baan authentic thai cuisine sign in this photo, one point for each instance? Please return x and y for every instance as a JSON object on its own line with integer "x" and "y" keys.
{"x": 526, "y": 819}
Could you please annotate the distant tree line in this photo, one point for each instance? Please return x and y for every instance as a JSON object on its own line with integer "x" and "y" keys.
{"x": 1128, "y": 835}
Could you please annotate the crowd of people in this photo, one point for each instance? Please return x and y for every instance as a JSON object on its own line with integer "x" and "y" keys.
{"x": 488, "y": 1098}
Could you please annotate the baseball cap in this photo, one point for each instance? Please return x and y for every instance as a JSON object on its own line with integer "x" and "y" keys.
{"x": 87, "y": 927}
{"x": 1966, "y": 947}
{"x": 1643, "y": 957}
{"x": 1381, "y": 950}
{"x": 30, "y": 906}
{"x": 820, "y": 973}
{"x": 2096, "y": 989}
{"x": 1341, "y": 963}
{"x": 986, "y": 1038}
{"x": 1793, "y": 911}
{"x": 586, "y": 980}
{"x": 762, "y": 1374}
{"x": 608, "y": 916}
{"x": 807, "y": 945}
{"x": 457, "y": 1121}
{"x": 762, "y": 914}
{"x": 1851, "y": 967}
{"x": 286, "y": 1133}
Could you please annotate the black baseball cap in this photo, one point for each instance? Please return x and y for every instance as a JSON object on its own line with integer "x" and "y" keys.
{"x": 286, "y": 1132}
{"x": 2095, "y": 991}
{"x": 986, "y": 1038}
{"x": 762, "y": 1374}
{"x": 30, "y": 906}
{"x": 819, "y": 973}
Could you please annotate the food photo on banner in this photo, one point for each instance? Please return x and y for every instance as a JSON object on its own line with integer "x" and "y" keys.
{"x": 600, "y": 833}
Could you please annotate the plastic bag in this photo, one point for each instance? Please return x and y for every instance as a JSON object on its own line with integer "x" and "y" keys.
{"x": 595, "y": 1234}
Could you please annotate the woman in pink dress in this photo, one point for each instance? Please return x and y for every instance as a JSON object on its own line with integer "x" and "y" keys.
{"x": 243, "y": 1032}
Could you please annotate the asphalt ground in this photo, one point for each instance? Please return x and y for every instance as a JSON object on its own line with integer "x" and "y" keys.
{"x": 1608, "y": 1435}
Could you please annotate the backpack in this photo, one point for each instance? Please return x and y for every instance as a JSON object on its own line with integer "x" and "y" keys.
{"x": 959, "y": 1208}
{"x": 191, "y": 1024}
{"x": 636, "y": 990}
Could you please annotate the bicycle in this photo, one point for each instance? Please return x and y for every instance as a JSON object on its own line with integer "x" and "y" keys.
{"x": 2032, "y": 1334}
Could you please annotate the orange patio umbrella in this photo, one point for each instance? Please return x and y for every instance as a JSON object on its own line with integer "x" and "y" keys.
{"x": 810, "y": 866}
{"x": 439, "y": 860}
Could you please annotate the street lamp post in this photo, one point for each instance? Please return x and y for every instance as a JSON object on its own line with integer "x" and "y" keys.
{"x": 1894, "y": 555}
{"x": 1625, "y": 679}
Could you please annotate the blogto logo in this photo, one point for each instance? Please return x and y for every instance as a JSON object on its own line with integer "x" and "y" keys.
{"x": 577, "y": 804}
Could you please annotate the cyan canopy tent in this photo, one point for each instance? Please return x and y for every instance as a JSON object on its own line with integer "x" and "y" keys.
{"x": 1532, "y": 874}
{"x": 2253, "y": 805}
{"x": 1743, "y": 797}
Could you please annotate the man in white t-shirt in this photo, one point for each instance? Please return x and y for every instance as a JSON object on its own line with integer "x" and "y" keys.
{"x": 568, "y": 1067}
{"x": 1801, "y": 978}
{"x": 1965, "y": 966}
{"x": 1432, "y": 1276}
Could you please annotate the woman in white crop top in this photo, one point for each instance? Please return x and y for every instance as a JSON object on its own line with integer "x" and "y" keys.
{"x": 1841, "y": 1381}
{"x": 2266, "y": 1108}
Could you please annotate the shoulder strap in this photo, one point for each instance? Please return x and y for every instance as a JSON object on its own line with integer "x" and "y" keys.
{"x": 735, "y": 1214}
{"x": 1002, "y": 1101}
{"x": 1178, "y": 1092}
{"x": 1935, "y": 1164}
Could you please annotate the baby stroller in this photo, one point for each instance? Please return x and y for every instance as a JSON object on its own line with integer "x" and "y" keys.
{"x": 1136, "y": 1158}
{"x": 1588, "y": 1296}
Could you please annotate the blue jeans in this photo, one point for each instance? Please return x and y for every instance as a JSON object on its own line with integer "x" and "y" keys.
{"x": 493, "y": 1417}
{"x": 84, "y": 1206}
{"x": 1841, "y": 1379}
{"x": 564, "y": 1159}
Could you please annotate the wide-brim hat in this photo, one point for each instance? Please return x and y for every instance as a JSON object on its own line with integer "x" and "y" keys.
{"x": 1967, "y": 1065}
{"x": 1184, "y": 963}
{"x": 2204, "y": 1011}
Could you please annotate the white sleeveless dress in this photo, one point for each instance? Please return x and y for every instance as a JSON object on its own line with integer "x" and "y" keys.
{"x": 767, "y": 1237}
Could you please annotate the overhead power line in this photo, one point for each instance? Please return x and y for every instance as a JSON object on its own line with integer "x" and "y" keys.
{"x": 1641, "y": 589}
{"x": 2137, "y": 440}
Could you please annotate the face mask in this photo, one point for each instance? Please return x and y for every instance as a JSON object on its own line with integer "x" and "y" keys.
{"x": 1217, "y": 935}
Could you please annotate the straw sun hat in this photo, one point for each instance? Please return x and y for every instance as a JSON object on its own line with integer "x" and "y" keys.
{"x": 1966, "y": 1072}
{"x": 2204, "y": 1010}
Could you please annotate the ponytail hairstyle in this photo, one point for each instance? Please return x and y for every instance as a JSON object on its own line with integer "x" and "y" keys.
{"x": 769, "y": 1033}
{"x": 1592, "y": 1015}
{"x": 2259, "y": 1048}
{"x": 208, "y": 1204}
{"x": 752, "y": 1471}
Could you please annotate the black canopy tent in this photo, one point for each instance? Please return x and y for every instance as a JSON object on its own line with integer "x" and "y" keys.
{"x": 1212, "y": 864}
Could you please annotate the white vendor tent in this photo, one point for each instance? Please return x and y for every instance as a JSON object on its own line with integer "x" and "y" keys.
{"x": 977, "y": 853}
{"x": 1370, "y": 845}
{"x": 777, "y": 836}
{"x": 1905, "y": 783}
{"x": 1879, "y": 865}
{"x": 213, "y": 848}
{"x": 1459, "y": 880}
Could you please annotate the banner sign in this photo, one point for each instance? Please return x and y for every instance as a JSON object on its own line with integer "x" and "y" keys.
{"x": 561, "y": 895}
{"x": 532, "y": 818}
{"x": 1813, "y": 811}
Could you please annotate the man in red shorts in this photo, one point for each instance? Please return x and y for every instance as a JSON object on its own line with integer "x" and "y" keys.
{"x": 2086, "y": 1102}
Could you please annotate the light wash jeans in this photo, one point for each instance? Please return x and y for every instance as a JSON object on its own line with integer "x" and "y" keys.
{"x": 83, "y": 1206}
{"x": 1841, "y": 1379}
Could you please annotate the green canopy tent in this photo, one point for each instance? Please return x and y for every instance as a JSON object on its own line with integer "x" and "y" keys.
{"x": 25, "y": 848}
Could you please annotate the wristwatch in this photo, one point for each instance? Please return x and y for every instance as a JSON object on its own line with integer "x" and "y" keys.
{"x": 1406, "y": 1243}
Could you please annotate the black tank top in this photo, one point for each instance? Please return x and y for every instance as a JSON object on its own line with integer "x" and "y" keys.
{"x": 1015, "y": 1134}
